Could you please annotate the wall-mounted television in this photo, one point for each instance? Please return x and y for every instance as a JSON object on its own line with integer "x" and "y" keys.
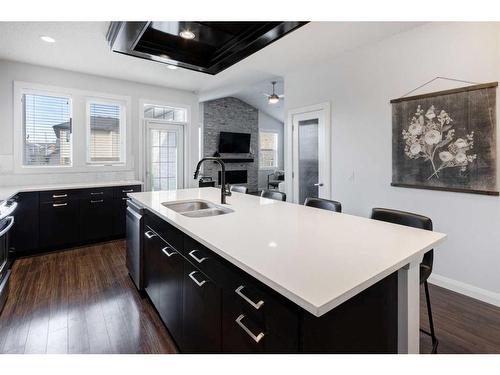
{"x": 234, "y": 142}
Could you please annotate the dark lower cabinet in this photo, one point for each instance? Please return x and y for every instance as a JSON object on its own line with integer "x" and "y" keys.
{"x": 152, "y": 269}
{"x": 201, "y": 313}
{"x": 55, "y": 219}
{"x": 163, "y": 281}
{"x": 96, "y": 218}
{"x": 255, "y": 321}
{"x": 24, "y": 237}
{"x": 59, "y": 224}
{"x": 171, "y": 290}
{"x": 210, "y": 306}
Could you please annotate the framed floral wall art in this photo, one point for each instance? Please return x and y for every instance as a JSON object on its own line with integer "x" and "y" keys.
{"x": 446, "y": 140}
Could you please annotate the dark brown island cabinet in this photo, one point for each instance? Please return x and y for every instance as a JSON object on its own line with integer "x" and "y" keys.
{"x": 57, "y": 219}
{"x": 210, "y": 306}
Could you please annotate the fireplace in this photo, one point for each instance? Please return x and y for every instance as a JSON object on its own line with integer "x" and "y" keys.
{"x": 234, "y": 177}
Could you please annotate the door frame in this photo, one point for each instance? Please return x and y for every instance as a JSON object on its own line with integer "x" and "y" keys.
{"x": 324, "y": 151}
{"x": 148, "y": 124}
{"x": 143, "y": 158}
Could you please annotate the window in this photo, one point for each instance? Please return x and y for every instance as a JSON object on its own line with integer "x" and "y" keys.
{"x": 47, "y": 130}
{"x": 106, "y": 133}
{"x": 157, "y": 112}
{"x": 268, "y": 150}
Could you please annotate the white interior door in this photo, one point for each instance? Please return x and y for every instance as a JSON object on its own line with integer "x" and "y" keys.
{"x": 164, "y": 156}
{"x": 311, "y": 155}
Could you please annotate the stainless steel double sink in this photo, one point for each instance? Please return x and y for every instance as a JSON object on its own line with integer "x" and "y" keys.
{"x": 197, "y": 208}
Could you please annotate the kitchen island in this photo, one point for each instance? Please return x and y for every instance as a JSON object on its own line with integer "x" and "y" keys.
{"x": 271, "y": 276}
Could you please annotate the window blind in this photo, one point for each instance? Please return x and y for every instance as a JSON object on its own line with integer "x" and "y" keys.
{"x": 105, "y": 138}
{"x": 47, "y": 130}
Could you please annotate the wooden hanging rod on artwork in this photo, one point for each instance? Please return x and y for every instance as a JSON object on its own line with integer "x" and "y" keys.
{"x": 446, "y": 92}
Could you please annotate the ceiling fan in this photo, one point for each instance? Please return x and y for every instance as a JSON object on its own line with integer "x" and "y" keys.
{"x": 273, "y": 98}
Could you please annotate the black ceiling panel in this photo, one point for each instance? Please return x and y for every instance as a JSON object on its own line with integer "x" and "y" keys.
{"x": 215, "y": 46}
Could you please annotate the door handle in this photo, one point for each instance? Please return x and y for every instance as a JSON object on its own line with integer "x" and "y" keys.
{"x": 150, "y": 234}
{"x": 256, "y": 306}
{"x": 165, "y": 251}
{"x": 59, "y": 204}
{"x": 199, "y": 283}
{"x": 199, "y": 260}
{"x": 59, "y": 195}
{"x": 319, "y": 184}
{"x": 247, "y": 330}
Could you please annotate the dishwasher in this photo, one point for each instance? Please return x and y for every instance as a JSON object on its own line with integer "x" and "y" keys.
{"x": 134, "y": 229}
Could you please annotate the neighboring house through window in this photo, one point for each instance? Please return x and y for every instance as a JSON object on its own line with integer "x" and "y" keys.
{"x": 47, "y": 130}
{"x": 106, "y": 132}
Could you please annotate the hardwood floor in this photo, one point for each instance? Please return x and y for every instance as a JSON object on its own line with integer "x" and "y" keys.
{"x": 463, "y": 325}
{"x": 79, "y": 301}
{"x": 82, "y": 301}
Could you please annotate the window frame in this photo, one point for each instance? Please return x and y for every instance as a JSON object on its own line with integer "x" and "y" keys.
{"x": 23, "y": 127}
{"x": 276, "y": 151}
{"x": 79, "y": 142}
{"x": 123, "y": 131}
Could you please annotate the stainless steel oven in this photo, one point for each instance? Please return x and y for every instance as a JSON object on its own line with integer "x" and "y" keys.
{"x": 6, "y": 223}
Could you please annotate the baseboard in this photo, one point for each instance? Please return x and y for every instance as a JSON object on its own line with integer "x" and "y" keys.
{"x": 466, "y": 289}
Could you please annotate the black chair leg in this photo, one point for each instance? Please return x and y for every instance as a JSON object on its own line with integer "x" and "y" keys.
{"x": 432, "y": 333}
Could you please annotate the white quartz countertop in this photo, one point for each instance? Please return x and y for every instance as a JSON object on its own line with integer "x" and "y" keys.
{"x": 317, "y": 259}
{"x": 7, "y": 192}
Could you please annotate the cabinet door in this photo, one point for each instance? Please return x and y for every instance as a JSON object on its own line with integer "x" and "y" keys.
{"x": 119, "y": 216}
{"x": 24, "y": 235}
{"x": 151, "y": 246}
{"x": 202, "y": 313}
{"x": 171, "y": 273}
{"x": 120, "y": 207}
{"x": 58, "y": 224}
{"x": 255, "y": 320}
{"x": 96, "y": 218}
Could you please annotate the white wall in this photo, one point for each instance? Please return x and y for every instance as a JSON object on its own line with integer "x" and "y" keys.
{"x": 359, "y": 86}
{"x": 13, "y": 71}
{"x": 268, "y": 123}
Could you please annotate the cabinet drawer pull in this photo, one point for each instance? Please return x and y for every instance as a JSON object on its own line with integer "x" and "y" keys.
{"x": 199, "y": 260}
{"x": 59, "y": 195}
{"x": 256, "y": 306}
{"x": 125, "y": 199}
{"x": 165, "y": 251}
{"x": 199, "y": 283}
{"x": 150, "y": 234}
{"x": 128, "y": 191}
{"x": 59, "y": 204}
{"x": 97, "y": 193}
{"x": 245, "y": 328}
{"x": 98, "y": 201}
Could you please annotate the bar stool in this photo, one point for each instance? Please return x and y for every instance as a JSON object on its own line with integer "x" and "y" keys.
{"x": 324, "y": 204}
{"x": 273, "y": 194}
{"x": 239, "y": 189}
{"x": 421, "y": 222}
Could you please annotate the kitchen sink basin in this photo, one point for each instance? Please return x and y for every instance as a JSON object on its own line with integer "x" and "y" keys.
{"x": 197, "y": 208}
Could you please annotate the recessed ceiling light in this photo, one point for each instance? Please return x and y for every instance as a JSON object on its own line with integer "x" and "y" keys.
{"x": 173, "y": 67}
{"x": 187, "y": 34}
{"x": 47, "y": 39}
